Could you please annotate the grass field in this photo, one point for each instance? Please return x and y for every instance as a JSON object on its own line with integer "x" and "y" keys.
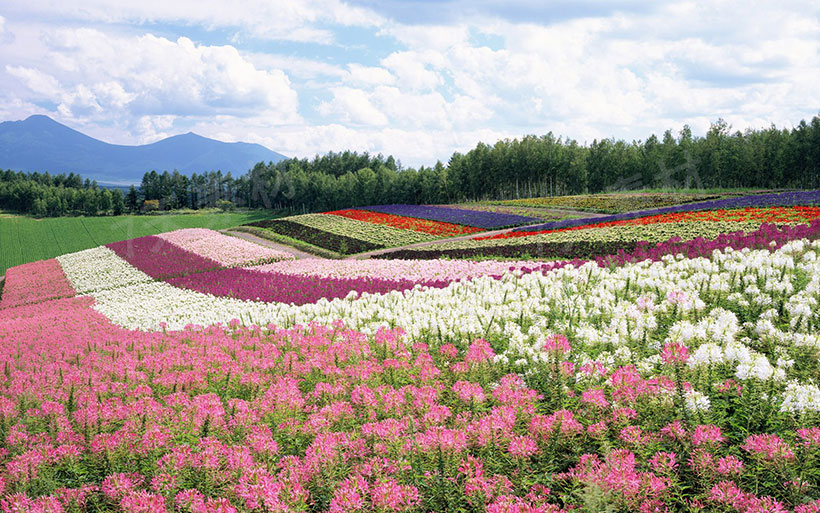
{"x": 24, "y": 239}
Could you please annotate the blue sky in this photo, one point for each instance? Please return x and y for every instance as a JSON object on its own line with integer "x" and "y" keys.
{"x": 418, "y": 79}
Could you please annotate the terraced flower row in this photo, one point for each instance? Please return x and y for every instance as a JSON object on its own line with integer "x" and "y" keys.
{"x": 777, "y": 215}
{"x": 478, "y": 219}
{"x": 341, "y": 244}
{"x": 437, "y": 228}
{"x": 784, "y": 199}
{"x": 612, "y": 203}
{"x": 584, "y": 243}
{"x": 681, "y": 384}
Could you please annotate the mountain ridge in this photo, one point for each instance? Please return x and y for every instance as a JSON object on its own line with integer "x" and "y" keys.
{"x": 39, "y": 143}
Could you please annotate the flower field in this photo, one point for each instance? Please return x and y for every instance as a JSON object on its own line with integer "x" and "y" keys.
{"x": 612, "y": 203}
{"x": 674, "y": 373}
{"x": 438, "y": 228}
{"x": 358, "y": 230}
{"x": 475, "y": 218}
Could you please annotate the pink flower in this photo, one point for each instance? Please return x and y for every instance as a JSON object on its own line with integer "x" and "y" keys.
{"x": 469, "y": 392}
{"x": 769, "y": 447}
{"x": 674, "y": 353}
{"x": 479, "y": 352}
{"x": 523, "y": 446}
{"x": 596, "y": 397}
{"x": 448, "y": 350}
{"x": 809, "y": 436}
{"x": 707, "y": 435}
{"x": 557, "y": 343}
{"x": 729, "y": 466}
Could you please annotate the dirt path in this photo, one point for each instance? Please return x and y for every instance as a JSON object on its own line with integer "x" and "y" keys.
{"x": 270, "y": 244}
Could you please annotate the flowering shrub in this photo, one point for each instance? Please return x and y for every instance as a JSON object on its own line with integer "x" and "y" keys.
{"x": 290, "y": 288}
{"x": 554, "y": 417}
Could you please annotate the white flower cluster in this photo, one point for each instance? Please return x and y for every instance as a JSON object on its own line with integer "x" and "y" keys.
{"x": 800, "y": 398}
{"x": 98, "y": 269}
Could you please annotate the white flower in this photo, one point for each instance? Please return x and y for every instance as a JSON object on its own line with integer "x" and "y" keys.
{"x": 696, "y": 401}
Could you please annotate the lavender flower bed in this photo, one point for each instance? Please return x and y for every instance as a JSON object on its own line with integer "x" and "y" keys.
{"x": 287, "y": 288}
{"x": 783, "y": 199}
{"x": 475, "y": 218}
{"x": 160, "y": 259}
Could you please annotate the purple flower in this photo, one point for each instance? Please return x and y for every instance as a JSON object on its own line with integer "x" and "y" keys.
{"x": 454, "y": 215}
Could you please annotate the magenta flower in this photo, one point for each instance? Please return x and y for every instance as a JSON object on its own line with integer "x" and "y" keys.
{"x": 479, "y": 352}
{"x": 674, "y": 353}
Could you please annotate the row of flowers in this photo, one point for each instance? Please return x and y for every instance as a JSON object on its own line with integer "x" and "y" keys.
{"x": 35, "y": 282}
{"x": 467, "y": 217}
{"x": 437, "y": 228}
{"x": 225, "y": 250}
{"x": 380, "y": 234}
{"x": 336, "y": 243}
{"x": 539, "y": 213}
{"x": 776, "y": 215}
{"x": 784, "y": 199}
{"x": 581, "y": 243}
{"x": 612, "y": 202}
{"x": 683, "y": 384}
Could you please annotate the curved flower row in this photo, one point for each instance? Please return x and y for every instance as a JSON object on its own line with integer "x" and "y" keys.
{"x": 783, "y": 199}
{"x": 778, "y": 215}
{"x": 380, "y": 234}
{"x": 415, "y": 270}
{"x": 227, "y": 251}
{"x": 35, "y": 282}
{"x": 478, "y": 219}
{"x": 437, "y": 228}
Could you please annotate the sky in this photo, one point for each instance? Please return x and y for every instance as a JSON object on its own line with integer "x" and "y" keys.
{"x": 417, "y": 79}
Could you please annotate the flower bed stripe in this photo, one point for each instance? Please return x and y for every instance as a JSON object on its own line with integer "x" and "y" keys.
{"x": 323, "y": 239}
{"x": 35, "y": 282}
{"x": 487, "y": 220}
{"x": 227, "y": 251}
{"x": 417, "y": 271}
{"x": 289, "y": 288}
{"x": 784, "y": 199}
{"x": 437, "y": 228}
{"x": 159, "y": 258}
{"x": 790, "y": 215}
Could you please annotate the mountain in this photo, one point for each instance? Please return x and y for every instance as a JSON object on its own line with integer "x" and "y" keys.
{"x": 39, "y": 143}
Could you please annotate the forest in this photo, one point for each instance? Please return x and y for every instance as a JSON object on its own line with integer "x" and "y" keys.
{"x": 531, "y": 166}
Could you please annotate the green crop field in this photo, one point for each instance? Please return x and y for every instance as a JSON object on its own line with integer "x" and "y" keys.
{"x": 24, "y": 239}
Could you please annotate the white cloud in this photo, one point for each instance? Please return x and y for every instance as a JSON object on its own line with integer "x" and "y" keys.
{"x": 269, "y": 19}
{"x": 353, "y": 106}
{"x": 369, "y": 75}
{"x": 100, "y": 74}
{"x": 42, "y": 84}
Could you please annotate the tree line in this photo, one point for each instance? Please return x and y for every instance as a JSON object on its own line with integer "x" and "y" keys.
{"x": 46, "y": 195}
{"x": 527, "y": 167}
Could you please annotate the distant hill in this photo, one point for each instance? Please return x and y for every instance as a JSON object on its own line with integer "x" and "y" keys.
{"x": 39, "y": 143}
